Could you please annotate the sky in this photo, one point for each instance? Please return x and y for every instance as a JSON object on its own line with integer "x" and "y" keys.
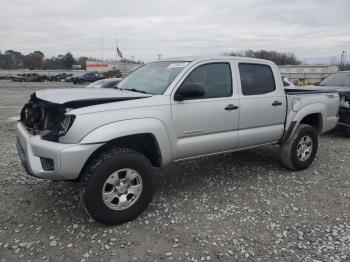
{"x": 315, "y": 30}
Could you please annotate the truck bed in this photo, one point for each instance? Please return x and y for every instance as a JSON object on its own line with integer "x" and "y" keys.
{"x": 299, "y": 91}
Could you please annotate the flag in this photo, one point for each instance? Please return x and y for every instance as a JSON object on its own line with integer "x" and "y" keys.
{"x": 119, "y": 53}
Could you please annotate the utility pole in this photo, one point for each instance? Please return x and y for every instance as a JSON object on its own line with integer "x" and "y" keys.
{"x": 116, "y": 47}
{"x": 342, "y": 60}
{"x": 102, "y": 52}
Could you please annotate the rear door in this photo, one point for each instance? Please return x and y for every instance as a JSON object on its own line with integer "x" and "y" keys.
{"x": 262, "y": 105}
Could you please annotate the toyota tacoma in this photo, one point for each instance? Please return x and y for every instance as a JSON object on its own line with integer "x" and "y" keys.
{"x": 111, "y": 140}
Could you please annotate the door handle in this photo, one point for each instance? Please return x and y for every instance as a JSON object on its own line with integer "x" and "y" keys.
{"x": 277, "y": 103}
{"x": 330, "y": 96}
{"x": 231, "y": 107}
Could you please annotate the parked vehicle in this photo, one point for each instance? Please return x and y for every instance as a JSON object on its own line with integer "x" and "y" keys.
{"x": 85, "y": 78}
{"x": 18, "y": 78}
{"x": 59, "y": 77}
{"x": 5, "y": 77}
{"x": 340, "y": 82}
{"x": 31, "y": 77}
{"x": 287, "y": 83}
{"x": 105, "y": 83}
{"x": 110, "y": 140}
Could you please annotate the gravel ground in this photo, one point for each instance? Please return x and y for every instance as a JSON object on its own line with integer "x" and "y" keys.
{"x": 241, "y": 206}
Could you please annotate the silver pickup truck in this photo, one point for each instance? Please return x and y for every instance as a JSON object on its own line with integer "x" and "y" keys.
{"x": 110, "y": 140}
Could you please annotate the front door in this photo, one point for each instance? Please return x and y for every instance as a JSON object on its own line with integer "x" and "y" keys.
{"x": 207, "y": 124}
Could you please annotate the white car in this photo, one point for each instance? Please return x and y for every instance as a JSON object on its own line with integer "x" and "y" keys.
{"x": 105, "y": 83}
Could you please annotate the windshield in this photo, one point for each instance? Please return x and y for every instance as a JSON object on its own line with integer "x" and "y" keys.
{"x": 152, "y": 78}
{"x": 337, "y": 79}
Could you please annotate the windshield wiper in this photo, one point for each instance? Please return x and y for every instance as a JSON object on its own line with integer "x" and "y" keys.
{"x": 135, "y": 90}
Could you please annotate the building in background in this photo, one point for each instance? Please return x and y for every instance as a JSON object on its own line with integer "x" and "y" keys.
{"x": 307, "y": 74}
{"x": 123, "y": 67}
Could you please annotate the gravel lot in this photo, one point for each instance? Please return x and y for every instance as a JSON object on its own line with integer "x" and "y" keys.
{"x": 241, "y": 206}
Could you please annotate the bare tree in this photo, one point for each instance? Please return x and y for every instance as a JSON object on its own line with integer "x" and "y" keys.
{"x": 277, "y": 57}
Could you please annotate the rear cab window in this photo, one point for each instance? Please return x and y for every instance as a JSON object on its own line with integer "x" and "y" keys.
{"x": 256, "y": 79}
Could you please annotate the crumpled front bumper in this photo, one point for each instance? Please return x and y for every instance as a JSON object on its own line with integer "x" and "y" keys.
{"x": 68, "y": 159}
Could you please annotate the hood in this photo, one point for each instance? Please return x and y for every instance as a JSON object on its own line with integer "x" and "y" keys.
{"x": 80, "y": 97}
{"x": 342, "y": 90}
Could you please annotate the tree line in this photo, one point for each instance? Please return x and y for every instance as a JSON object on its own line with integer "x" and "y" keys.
{"x": 277, "y": 57}
{"x": 12, "y": 59}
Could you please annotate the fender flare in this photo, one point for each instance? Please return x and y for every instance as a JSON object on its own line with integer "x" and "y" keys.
{"x": 119, "y": 129}
{"x": 316, "y": 108}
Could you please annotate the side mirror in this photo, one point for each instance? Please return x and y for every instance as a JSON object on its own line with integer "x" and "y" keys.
{"x": 189, "y": 91}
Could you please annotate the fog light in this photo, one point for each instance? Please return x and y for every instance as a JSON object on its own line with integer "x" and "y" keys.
{"x": 47, "y": 164}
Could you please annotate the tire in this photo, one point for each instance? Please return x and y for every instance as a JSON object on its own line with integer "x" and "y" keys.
{"x": 291, "y": 157}
{"x": 95, "y": 180}
{"x": 347, "y": 131}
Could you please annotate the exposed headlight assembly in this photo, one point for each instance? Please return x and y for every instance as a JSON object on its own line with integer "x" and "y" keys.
{"x": 66, "y": 123}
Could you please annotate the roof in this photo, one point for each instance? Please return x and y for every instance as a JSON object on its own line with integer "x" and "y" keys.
{"x": 203, "y": 58}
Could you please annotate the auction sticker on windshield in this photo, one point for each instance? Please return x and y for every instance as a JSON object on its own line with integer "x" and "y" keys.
{"x": 176, "y": 65}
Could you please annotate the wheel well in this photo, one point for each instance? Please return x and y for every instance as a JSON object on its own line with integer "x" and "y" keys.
{"x": 146, "y": 144}
{"x": 314, "y": 120}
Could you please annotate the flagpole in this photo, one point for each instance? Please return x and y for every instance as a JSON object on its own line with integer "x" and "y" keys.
{"x": 116, "y": 46}
{"x": 102, "y": 52}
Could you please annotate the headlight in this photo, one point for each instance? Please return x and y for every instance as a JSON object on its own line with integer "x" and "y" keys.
{"x": 66, "y": 123}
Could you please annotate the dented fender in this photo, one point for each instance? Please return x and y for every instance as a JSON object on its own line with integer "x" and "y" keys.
{"x": 110, "y": 131}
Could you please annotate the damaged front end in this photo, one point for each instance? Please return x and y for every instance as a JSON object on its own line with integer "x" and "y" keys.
{"x": 47, "y": 112}
{"x": 46, "y": 119}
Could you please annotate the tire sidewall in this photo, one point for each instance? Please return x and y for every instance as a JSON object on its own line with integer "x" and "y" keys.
{"x": 310, "y": 131}
{"x": 92, "y": 197}
{"x": 347, "y": 131}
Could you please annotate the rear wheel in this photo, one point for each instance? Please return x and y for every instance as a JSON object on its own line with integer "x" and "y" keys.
{"x": 301, "y": 150}
{"x": 117, "y": 186}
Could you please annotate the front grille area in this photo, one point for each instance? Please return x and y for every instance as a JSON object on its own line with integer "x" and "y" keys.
{"x": 43, "y": 118}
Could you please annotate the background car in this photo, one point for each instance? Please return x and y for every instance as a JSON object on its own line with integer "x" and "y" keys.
{"x": 287, "y": 83}
{"x": 85, "y": 78}
{"x": 340, "y": 82}
{"x": 31, "y": 77}
{"x": 58, "y": 77}
{"x": 105, "y": 83}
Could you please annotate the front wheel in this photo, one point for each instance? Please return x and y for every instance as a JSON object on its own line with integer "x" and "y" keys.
{"x": 347, "y": 131}
{"x": 117, "y": 186}
{"x": 301, "y": 150}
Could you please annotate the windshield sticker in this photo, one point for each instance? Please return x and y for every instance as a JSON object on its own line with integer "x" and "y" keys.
{"x": 176, "y": 65}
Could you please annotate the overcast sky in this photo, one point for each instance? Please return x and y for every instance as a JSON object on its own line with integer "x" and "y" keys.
{"x": 309, "y": 28}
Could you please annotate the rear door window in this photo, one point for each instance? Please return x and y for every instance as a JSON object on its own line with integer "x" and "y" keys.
{"x": 256, "y": 79}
